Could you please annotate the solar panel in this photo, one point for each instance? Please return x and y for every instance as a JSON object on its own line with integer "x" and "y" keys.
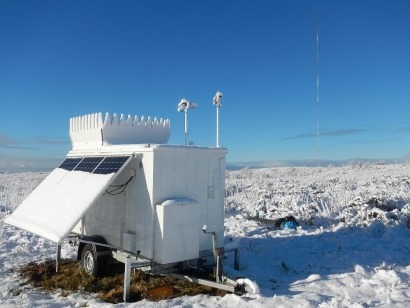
{"x": 70, "y": 163}
{"x": 111, "y": 164}
{"x": 95, "y": 164}
{"x": 88, "y": 164}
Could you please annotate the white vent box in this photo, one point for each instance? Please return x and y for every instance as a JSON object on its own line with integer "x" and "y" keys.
{"x": 176, "y": 231}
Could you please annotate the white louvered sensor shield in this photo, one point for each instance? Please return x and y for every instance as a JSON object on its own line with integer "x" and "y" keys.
{"x": 92, "y": 131}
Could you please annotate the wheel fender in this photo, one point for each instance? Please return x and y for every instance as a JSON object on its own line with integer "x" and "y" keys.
{"x": 92, "y": 238}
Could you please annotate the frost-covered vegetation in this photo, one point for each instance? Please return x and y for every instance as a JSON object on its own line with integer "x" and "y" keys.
{"x": 351, "y": 247}
{"x": 356, "y": 194}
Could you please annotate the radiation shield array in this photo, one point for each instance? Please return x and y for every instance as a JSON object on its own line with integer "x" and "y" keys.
{"x": 92, "y": 131}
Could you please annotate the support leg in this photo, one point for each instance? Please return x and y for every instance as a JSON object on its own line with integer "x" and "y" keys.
{"x": 127, "y": 279}
{"x": 216, "y": 258}
{"x": 58, "y": 256}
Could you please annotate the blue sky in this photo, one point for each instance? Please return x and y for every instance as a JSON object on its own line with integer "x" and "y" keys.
{"x": 60, "y": 59}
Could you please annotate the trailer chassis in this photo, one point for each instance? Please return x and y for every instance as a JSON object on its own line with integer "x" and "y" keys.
{"x": 133, "y": 260}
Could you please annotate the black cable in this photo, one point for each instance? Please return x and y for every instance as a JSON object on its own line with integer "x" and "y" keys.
{"x": 118, "y": 188}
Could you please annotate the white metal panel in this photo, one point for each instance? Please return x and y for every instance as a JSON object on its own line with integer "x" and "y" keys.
{"x": 164, "y": 168}
{"x": 176, "y": 238}
{"x": 129, "y": 241}
{"x": 192, "y": 172}
{"x": 144, "y": 205}
{"x": 202, "y": 198}
{"x": 170, "y": 178}
{"x": 191, "y": 175}
{"x": 180, "y": 175}
{"x": 105, "y": 218}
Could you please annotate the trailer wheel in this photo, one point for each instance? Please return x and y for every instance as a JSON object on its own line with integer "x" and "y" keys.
{"x": 89, "y": 260}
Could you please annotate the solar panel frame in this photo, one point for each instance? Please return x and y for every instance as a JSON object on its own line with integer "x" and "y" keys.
{"x": 110, "y": 164}
{"x": 95, "y": 164}
{"x": 70, "y": 163}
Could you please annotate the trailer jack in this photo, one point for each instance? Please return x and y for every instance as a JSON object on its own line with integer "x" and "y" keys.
{"x": 238, "y": 287}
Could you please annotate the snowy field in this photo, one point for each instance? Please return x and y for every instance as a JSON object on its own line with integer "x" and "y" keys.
{"x": 351, "y": 248}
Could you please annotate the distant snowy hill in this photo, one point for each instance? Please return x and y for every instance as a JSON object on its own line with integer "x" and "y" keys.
{"x": 311, "y": 163}
{"x": 351, "y": 248}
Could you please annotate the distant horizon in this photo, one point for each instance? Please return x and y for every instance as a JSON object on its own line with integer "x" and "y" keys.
{"x": 48, "y": 166}
{"x": 312, "y": 163}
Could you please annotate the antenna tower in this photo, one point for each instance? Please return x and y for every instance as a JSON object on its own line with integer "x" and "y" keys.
{"x": 317, "y": 94}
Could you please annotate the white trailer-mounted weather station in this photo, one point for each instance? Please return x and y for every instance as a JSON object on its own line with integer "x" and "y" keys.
{"x": 122, "y": 193}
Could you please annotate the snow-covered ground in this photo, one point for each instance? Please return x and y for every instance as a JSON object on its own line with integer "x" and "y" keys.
{"x": 351, "y": 248}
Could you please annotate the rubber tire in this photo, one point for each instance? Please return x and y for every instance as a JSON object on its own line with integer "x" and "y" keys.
{"x": 89, "y": 260}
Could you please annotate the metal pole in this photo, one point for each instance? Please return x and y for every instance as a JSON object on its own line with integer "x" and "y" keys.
{"x": 216, "y": 258}
{"x": 217, "y": 126}
{"x": 214, "y": 246}
{"x": 186, "y": 126}
{"x": 217, "y": 101}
